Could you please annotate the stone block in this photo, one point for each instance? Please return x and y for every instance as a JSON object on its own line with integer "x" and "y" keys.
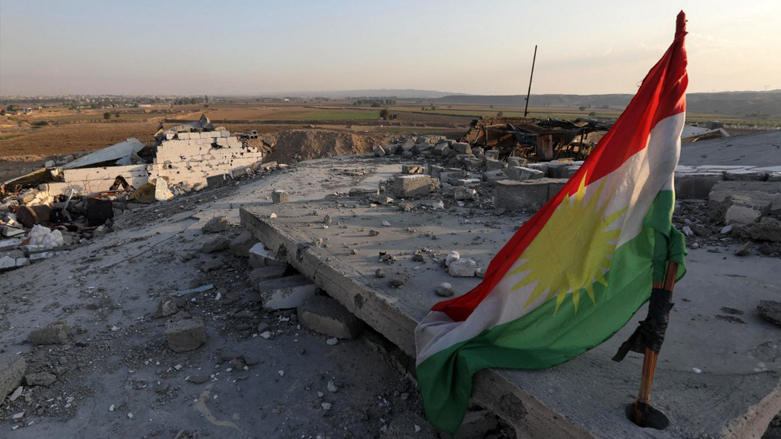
{"x": 695, "y": 185}
{"x": 405, "y": 146}
{"x": 12, "y": 370}
{"x": 744, "y": 214}
{"x": 327, "y": 316}
{"x": 185, "y": 335}
{"x": 469, "y": 182}
{"x": 287, "y": 292}
{"x": 279, "y": 196}
{"x": 530, "y": 194}
{"x": 378, "y": 151}
{"x": 440, "y": 147}
{"x": 491, "y": 154}
{"x": 462, "y": 148}
{"x": 492, "y": 165}
{"x": 413, "y": 186}
{"x": 43, "y": 379}
{"x": 539, "y": 167}
{"x": 464, "y": 193}
{"x": 435, "y": 170}
{"x": 517, "y": 161}
{"x": 55, "y": 333}
{"x": 216, "y": 225}
{"x": 520, "y": 173}
{"x": 259, "y": 256}
{"x": 491, "y": 177}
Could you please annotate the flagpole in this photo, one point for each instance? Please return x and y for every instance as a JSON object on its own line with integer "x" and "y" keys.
{"x": 650, "y": 357}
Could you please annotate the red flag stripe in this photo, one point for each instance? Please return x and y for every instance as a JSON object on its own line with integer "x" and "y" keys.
{"x": 661, "y": 95}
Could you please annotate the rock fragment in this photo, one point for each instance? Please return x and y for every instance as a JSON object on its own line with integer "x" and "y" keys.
{"x": 279, "y": 196}
{"x": 43, "y": 379}
{"x": 55, "y": 333}
{"x": 185, "y": 335}
{"x": 215, "y": 245}
{"x": 770, "y": 310}
{"x": 462, "y": 268}
{"x": 216, "y": 225}
{"x": 12, "y": 370}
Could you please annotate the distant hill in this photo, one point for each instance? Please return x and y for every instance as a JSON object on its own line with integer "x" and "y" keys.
{"x": 375, "y": 93}
{"x": 734, "y": 103}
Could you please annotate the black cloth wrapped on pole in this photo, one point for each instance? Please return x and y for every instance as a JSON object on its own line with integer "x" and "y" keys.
{"x": 650, "y": 333}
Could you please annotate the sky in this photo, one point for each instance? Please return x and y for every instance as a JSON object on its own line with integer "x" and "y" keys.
{"x": 253, "y": 47}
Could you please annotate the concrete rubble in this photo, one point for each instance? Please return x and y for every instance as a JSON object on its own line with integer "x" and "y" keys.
{"x": 243, "y": 309}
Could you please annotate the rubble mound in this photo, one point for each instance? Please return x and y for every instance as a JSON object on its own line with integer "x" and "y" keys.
{"x": 307, "y": 144}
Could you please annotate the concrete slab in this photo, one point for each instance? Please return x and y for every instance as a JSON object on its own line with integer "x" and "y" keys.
{"x": 718, "y": 377}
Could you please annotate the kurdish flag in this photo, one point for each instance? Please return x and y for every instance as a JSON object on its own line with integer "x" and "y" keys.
{"x": 575, "y": 273}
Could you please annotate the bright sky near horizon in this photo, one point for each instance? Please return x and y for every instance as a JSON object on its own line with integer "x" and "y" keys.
{"x": 251, "y": 47}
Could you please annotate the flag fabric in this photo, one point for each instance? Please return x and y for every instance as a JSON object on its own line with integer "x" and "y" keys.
{"x": 576, "y": 272}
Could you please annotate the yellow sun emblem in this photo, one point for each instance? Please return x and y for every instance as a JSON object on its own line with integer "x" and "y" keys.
{"x": 571, "y": 251}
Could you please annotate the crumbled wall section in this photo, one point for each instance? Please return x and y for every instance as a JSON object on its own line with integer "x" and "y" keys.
{"x": 91, "y": 180}
{"x": 192, "y": 157}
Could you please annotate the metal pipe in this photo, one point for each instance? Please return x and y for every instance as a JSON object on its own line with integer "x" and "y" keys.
{"x": 528, "y": 93}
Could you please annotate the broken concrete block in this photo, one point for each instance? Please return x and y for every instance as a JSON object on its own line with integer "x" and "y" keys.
{"x": 259, "y": 256}
{"x": 287, "y": 292}
{"x": 241, "y": 244}
{"x": 262, "y": 274}
{"x": 412, "y": 186}
{"x": 767, "y": 229}
{"x": 463, "y": 267}
{"x": 769, "y": 310}
{"x": 492, "y": 165}
{"x": 440, "y": 147}
{"x": 462, "y": 148}
{"x": 327, "y": 316}
{"x": 279, "y": 196}
{"x": 517, "y": 161}
{"x": 12, "y": 370}
{"x": 43, "y": 379}
{"x": 185, "y": 335}
{"x": 491, "y": 177}
{"x": 54, "y": 333}
{"x": 491, "y": 154}
{"x": 530, "y": 194}
{"x": 166, "y": 307}
{"x": 742, "y": 214}
{"x": 464, "y": 193}
{"x": 216, "y": 225}
{"x": 520, "y": 173}
{"x": 378, "y": 151}
{"x": 215, "y": 245}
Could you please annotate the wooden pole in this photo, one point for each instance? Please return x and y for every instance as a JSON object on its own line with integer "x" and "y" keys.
{"x": 650, "y": 357}
{"x": 528, "y": 93}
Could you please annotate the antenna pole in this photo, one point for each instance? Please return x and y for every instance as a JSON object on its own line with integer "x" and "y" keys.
{"x": 528, "y": 93}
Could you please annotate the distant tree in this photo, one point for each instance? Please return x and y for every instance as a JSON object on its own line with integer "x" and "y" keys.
{"x": 433, "y": 108}
{"x": 422, "y": 108}
{"x": 116, "y": 114}
{"x": 376, "y": 104}
{"x": 582, "y": 108}
{"x": 492, "y": 106}
{"x": 592, "y": 114}
{"x": 106, "y": 115}
{"x": 385, "y": 114}
{"x": 2, "y": 112}
{"x": 500, "y": 114}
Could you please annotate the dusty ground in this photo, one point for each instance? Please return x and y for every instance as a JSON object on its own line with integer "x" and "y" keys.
{"x": 118, "y": 362}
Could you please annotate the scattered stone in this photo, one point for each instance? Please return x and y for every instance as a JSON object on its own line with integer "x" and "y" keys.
{"x": 326, "y": 406}
{"x": 55, "y": 333}
{"x": 463, "y": 193}
{"x": 332, "y": 387}
{"x": 279, "y": 196}
{"x": 480, "y": 272}
{"x": 769, "y": 310}
{"x": 373, "y": 232}
{"x": 211, "y": 265}
{"x": 185, "y": 335}
{"x": 43, "y": 379}
{"x": 413, "y": 186}
{"x": 198, "y": 379}
{"x": 744, "y": 250}
{"x": 215, "y": 245}
{"x": 332, "y": 341}
{"x": 767, "y": 229}
{"x": 15, "y": 395}
{"x": 462, "y": 268}
{"x": 12, "y": 370}
{"x": 259, "y": 256}
{"x": 451, "y": 257}
{"x": 327, "y": 316}
{"x": 379, "y": 273}
{"x": 262, "y": 274}
{"x": 444, "y": 289}
{"x": 216, "y": 225}
{"x": 726, "y": 229}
